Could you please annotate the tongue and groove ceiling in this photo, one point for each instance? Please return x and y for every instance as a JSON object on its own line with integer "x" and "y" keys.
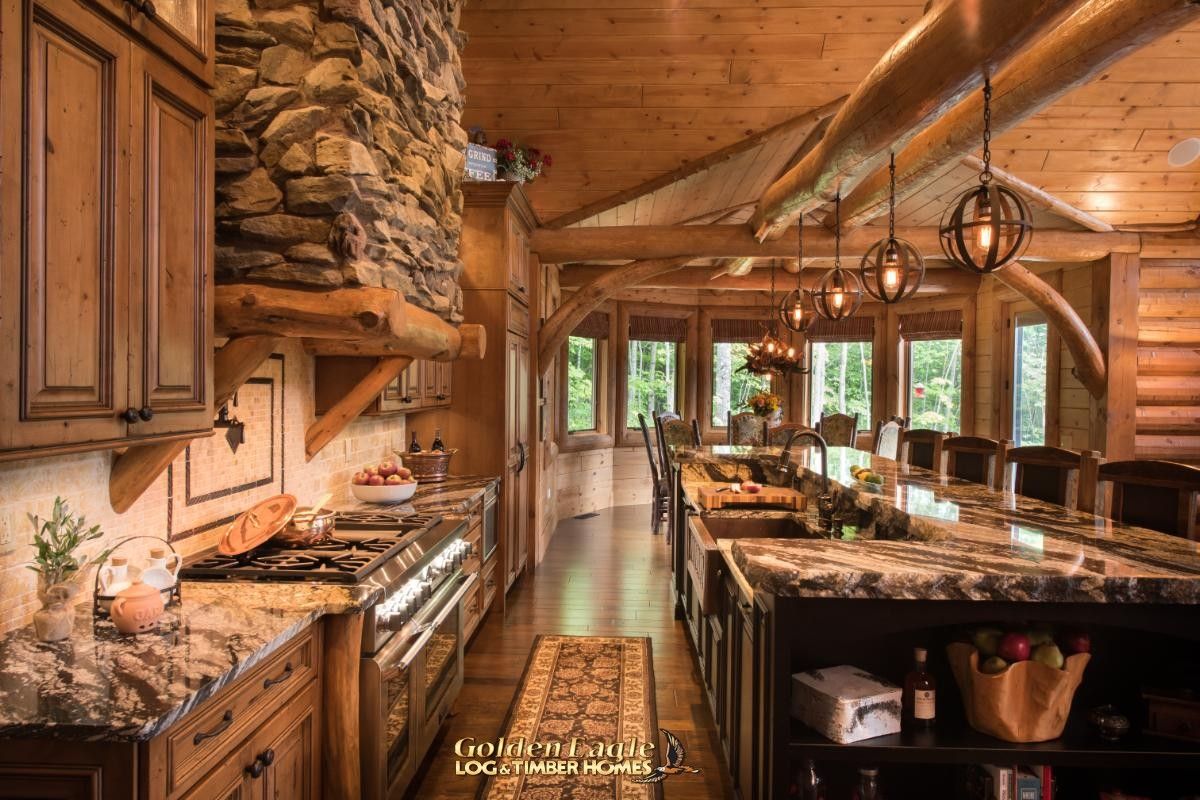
{"x": 625, "y": 91}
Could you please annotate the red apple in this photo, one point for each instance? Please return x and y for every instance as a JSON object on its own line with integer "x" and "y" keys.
{"x": 751, "y": 487}
{"x": 1014, "y": 647}
{"x": 387, "y": 468}
{"x": 375, "y": 480}
{"x": 1077, "y": 642}
{"x": 360, "y": 479}
{"x": 393, "y": 480}
{"x": 404, "y": 472}
{"x": 371, "y": 470}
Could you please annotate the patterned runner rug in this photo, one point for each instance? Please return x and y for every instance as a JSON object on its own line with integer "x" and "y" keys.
{"x": 581, "y": 692}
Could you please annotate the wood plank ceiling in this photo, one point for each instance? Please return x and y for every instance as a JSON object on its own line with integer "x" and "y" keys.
{"x": 625, "y": 90}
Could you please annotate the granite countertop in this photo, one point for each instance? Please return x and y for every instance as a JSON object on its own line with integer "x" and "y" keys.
{"x": 450, "y": 498}
{"x": 100, "y": 685}
{"x": 925, "y": 536}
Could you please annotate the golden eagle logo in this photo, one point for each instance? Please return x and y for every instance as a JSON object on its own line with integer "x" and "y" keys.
{"x": 676, "y": 753}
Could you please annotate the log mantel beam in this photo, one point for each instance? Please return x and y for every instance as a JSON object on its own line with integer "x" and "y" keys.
{"x": 1097, "y": 35}
{"x": 1090, "y": 366}
{"x": 734, "y": 241}
{"x": 932, "y": 67}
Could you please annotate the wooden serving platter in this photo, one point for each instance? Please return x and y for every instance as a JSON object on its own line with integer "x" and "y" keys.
{"x": 712, "y": 497}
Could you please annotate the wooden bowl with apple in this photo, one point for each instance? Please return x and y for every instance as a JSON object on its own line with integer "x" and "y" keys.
{"x": 384, "y": 483}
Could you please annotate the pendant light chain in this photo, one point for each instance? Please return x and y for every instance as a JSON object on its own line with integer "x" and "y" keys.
{"x": 837, "y": 231}
{"x": 799, "y": 252}
{"x": 892, "y": 197}
{"x": 986, "y": 175}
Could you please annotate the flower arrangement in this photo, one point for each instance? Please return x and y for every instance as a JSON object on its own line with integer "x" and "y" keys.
{"x": 764, "y": 404}
{"x": 520, "y": 163}
{"x": 57, "y": 541}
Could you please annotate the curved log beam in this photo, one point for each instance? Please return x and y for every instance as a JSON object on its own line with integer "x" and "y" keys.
{"x": 558, "y": 327}
{"x": 1100, "y": 33}
{"x": 134, "y": 470}
{"x": 927, "y": 72}
{"x": 347, "y": 409}
{"x": 1089, "y": 359}
{"x": 734, "y": 241}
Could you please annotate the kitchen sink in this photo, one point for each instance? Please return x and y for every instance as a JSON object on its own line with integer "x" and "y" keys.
{"x": 758, "y": 528}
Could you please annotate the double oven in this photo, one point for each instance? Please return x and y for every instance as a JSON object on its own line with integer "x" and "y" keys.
{"x": 412, "y": 668}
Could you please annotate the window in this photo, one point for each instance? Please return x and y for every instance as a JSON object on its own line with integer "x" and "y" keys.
{"x": 840, "y": 380}
{"x": 655, "y": 366}
{"x": 731, "y": 386}
{"x": 1030, "y": 355}
{"x": 581, "y": 383}
{"x": 935, "y": 383}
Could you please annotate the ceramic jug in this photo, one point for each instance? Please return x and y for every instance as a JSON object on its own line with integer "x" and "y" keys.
{"x": 137, "y": 608}
{"x": 114, "y": 576}
{"x": 162, "y": 571}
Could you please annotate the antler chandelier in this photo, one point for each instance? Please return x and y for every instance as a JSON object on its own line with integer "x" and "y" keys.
{"x": 771, "y": 355}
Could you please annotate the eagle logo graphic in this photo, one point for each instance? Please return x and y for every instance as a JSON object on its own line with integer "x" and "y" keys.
{"x": 676, "y": 753}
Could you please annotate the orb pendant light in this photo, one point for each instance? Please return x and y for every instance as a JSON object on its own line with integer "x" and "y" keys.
{"x": 892, "y": 269}
{"x": 791, "y": 310}
{"x": 838, "y": 294}
{"x": 990, "y": 225}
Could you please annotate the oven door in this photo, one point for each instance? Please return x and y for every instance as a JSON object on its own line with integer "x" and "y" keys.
{"x": 394, "y": 717}
{"x": 489, "y": 524}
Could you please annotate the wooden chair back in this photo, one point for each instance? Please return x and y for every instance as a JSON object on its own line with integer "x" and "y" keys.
{"x": 1055, "y": 475}
{"x": 745, "y": 428}
{"x": 778, "y": 435}
{"x": 696, "y": 431}
{"x": 977, "y": 459}
{"x": 1160, "y": 495}
{"x": 838, "y": 430}
{"x": 677, "y": 433}
{"x": 886, "y": 440}
{"x": 649, "y": 449}
{"x": 922, "y": 447}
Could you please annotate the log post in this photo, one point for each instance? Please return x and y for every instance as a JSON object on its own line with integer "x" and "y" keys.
{"x": 558, "y": 327}
{"x": 1089, "y": 359}
{"x": 134, "y": 470}
{"x": 347, "y": 409}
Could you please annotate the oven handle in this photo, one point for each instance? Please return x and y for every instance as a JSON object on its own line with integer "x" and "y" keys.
{"x": 426, "y": 628}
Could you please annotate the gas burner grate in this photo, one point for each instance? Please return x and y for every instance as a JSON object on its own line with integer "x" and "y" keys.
{"x": 381, "y": 520}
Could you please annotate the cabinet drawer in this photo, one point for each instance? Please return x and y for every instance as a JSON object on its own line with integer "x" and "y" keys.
{"x": 518, "y": 316}
{"x": 206, "y": 736}
{"x": 472, "y": 609}
{"x": 489, "y": 581}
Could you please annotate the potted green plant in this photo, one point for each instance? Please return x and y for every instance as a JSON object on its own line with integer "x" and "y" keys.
{"x": 58, "y": 562}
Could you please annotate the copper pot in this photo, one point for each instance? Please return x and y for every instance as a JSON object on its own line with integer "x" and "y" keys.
{"x": 306, "y": 528}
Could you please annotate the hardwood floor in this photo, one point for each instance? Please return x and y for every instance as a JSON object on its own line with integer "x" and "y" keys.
{"x": 605, "y": 575}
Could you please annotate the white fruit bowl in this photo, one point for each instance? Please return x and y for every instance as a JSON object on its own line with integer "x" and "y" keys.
{"x": 396, "y": 493}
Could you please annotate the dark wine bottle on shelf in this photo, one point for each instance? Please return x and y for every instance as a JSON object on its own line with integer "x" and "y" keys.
{"x": 920, "y": 693}
{"x": 810, "y": 784}
{"x": 868, "y": 785}
{"x": 414, "y": 446}
{"x": 437, "y": 446}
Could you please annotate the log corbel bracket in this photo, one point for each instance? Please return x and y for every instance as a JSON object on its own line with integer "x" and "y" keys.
{"x": 1090, "y": 367}
{"x": 326, "y": 428}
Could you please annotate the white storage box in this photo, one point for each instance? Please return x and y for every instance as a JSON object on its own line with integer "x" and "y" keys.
{"x": 845, "y": 703}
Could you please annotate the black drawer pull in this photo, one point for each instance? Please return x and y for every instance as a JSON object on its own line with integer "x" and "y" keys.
{"x": 226, "y": 721}
{"x": 130, "y": 415}
{"x": 287, "y": 673}
{"x": 265, "y": 759}
{"x": 146, "y": 413}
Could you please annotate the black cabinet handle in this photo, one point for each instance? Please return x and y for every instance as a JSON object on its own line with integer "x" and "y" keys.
{"x": 255, "y": 770}
{"x": 406, "y": 399}
{"x": 130, "y": 415}
{"x": 441, "y": 397}
{"x": 268, "y": 757}
{"x": 147, "y": 8}
{"x": 146, "y": 413}
{"x": 226, "y": 721}
{"x": 287, "y": 673}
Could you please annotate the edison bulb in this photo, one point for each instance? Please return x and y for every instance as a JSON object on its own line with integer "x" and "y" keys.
{"x": 791, "y": 352}
{"x": 837, "y": 298}
{"x": 770, "y": 347}
{"x": 983, "y": 229}
{"x": 797, "y": 314}
{"x": 891, "y": 277}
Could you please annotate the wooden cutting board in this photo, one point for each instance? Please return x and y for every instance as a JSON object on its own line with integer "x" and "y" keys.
{"x": 712, "y": 497}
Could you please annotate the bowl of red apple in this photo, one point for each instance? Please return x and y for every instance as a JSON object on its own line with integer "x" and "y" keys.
{"x": 385, "y": 482}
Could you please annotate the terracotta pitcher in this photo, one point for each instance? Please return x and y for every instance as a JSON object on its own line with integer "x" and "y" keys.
{"x": 137, "y": 608}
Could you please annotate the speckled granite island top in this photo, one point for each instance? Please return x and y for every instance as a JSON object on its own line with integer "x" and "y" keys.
{"x": 942, "y": 538}
{"x": 450, "y": 498}
{"x": 100, "y": 685}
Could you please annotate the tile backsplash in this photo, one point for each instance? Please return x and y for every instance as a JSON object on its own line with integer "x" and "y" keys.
{"x": 203, "y": 489}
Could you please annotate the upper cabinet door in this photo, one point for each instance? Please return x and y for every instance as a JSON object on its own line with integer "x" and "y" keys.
{"x": 172, "y": 173}
{"x": 518, "y": 259}
{"x": 182, "y": 30}
{"x": 64, "y": 283}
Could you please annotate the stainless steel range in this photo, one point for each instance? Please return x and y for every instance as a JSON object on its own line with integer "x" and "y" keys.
{"x": 411, "y": 668}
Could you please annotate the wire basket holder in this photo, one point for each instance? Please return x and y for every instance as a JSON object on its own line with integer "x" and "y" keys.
{"x": 172, "y": 599}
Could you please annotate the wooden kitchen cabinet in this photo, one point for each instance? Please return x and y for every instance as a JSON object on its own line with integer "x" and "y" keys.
{"x": 182, "y": 30}
{"x": 423, "y": 385}
{"x": 106, "y": 227}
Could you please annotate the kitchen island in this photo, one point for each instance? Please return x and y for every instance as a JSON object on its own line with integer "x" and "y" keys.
{"x": 915, "y": 563}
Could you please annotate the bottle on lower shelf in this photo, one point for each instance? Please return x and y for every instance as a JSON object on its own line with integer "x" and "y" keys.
{"x": 868, "y": 785}
{"x": 810, "y": 785}
{"x": 920, "y": 693}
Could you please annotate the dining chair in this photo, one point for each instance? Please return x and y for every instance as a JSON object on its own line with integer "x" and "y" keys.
{"x": 778, "y": 434}
{"x": 838, "y": 430}
{"x": 1054, "y": 475}
{"x": 661, "y": 501}
{"x": 745, "y": 428}
{"x": 886, "y": 441}
{"x": 922, "y": 447}
{"x": 976, "y": 459}
{"x": 1160, "y": 495}
{"x": 696, "y": 431}
{"x": 677, "y": 433}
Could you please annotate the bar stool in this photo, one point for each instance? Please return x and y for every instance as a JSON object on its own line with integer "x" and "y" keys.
{"x": 661, "y": 502}
{"x": 1161, "y": 495}
{"x": 976, "y": 459}
{"x": 1055, "y": 475}
{"x": 922, "y": 447}
{"x": 838, "y": 429}
{"x": 886, "y": 439}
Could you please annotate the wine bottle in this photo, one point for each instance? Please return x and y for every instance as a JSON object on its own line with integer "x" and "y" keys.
{"x": 920, "y": 693}
{"x": 810, "y": 784}
{"x": 414, "y": 446}
{"x": 868, "y": 785}
{"x": 437, "y": 446}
